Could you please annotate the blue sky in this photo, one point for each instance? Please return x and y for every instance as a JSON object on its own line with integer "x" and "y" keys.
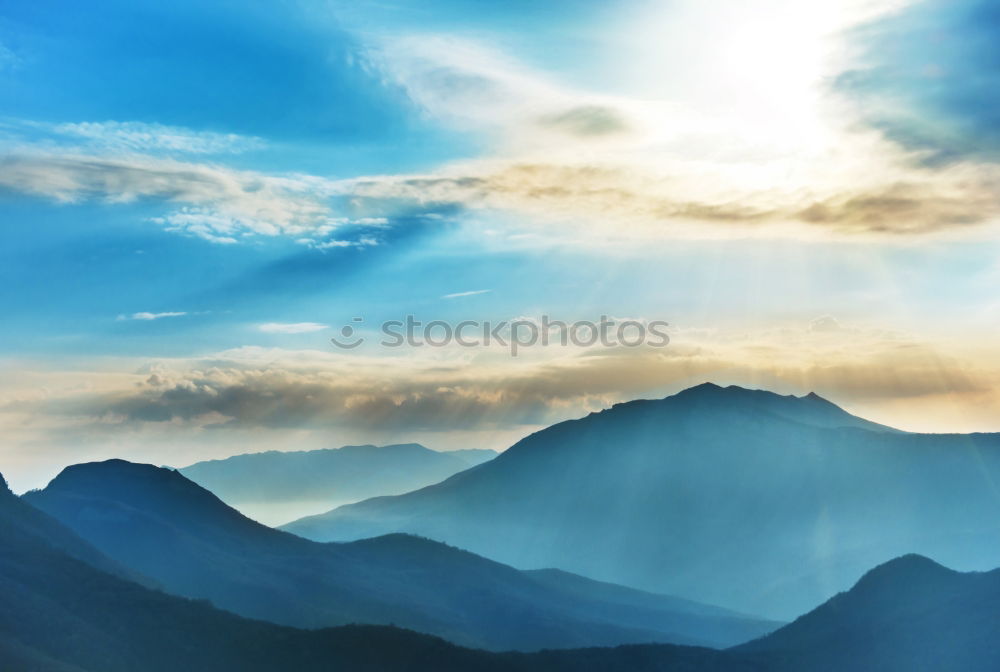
{"x": 196, "y": 197}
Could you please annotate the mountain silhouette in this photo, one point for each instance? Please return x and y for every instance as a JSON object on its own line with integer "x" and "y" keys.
{"x": 277, "y": 486}
{"x": 759, "y": 502}
{"x": 23, "y": 520}
{"x": 59, "y": 613}
{"x": 907, "y": 614}
{"x": 162, "y": 525}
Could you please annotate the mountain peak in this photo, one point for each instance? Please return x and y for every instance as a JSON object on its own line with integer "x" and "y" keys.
{"x": 809, "y": 409}
{"x": 709, "y": 388}
{"x": 905, "y": 570}
{"x": 88, "y": 472}
{"x": 143, "y": 487}
{"x": 704, "y": 388}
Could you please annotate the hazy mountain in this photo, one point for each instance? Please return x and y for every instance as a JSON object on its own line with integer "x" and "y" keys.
{"x": 61, "y": 614}
{"x": 161, "y": 524}
{"x": 278, "y": 486}
{"x": 25, "y": 521}
{"x": 763, "y": 503}
{"x": 472, "y": 456}
{"x": 908, "y": 614}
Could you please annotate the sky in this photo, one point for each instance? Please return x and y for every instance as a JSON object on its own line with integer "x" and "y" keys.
{"x": 196, "y": 197}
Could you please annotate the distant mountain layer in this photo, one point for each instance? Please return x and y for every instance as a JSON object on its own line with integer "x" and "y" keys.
{"x": 164, "y": 526}
{"x": 762, "y": 503}
{"x": 265, "y": 485}
{"x": 59, "y": 613}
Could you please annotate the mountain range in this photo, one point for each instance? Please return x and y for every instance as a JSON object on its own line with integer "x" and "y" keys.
{"x": 277, "y": 486}
{"x": 759, "y": 502}
{"x": 61, "y": 613}
{"x": 163, "y": 526}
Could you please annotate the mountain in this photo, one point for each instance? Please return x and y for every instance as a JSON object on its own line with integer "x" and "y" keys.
{"x": 277, "y": 486}
{"x": 762, "y": 503}
{"x": 907, "y": 614}
{"x": 23, "y": 520}
{"x": 162, "y": 525}
{"x": 61, "y": 614}
{"x": 472, "y": 456}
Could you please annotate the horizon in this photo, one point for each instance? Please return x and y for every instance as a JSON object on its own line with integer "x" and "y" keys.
{"x": 707, "y": 384}
{"x": 41, "y": 478}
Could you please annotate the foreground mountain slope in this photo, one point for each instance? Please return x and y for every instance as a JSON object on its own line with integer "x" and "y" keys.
{"x": 908, "y": 614}
{"x": 161, "y": 524}
{"x": 23, "y": 520}
{"x": 60, "y": 614}
{"x": 270, "y": 486}
{"x": 763, "y": 503}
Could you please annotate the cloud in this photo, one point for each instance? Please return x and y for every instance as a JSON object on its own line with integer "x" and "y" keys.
{"x": 226, "y": 206}
{"x": 339, "y": 243}
{"x": 458, "y": 390}
{"x": 575, "y": 165}
{"x": 219, "y": 204}
{"x": 647, "y": 205}
{"x": 150, "y": 316}
{"x": 469, "y": 293}
{"x": 133, "y": 136}
{"x": 216, "y": 203}
{"x": 825, "y": 323}
{"x": 587, "y": 120}
{"x": 286, "y": 73}
{"x": 636, "y": 167}
{"x": 929, "y": 76}
{"x": 477, "y": 88}
{"x": 291, "y": 327}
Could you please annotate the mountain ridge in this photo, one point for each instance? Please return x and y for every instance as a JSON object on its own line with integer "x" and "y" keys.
{"x": 280, "y": 485}
{"x": 61, "y": 614}
{"x": 696, "y": 480}
{"x": 163, "y": 525}
{"x": 909, "y": 613}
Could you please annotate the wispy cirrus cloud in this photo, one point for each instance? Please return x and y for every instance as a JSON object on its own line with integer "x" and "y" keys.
{"x": 656, "y": 206}
{"x": 291, "y": 327}
{"x": 133, "y": 136}
{"x": 144, "y": 316}
{"x": 227, "y": 206}
{"x": 218, "y": 203}
{"x": 338, "y": 243}
{"x": 609, "y": 166}
{"x": 473, "y": 292}
{"x": 663, "y": 169}
{"x": 120, "y": 138}
{"x": 480, "y": 89}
